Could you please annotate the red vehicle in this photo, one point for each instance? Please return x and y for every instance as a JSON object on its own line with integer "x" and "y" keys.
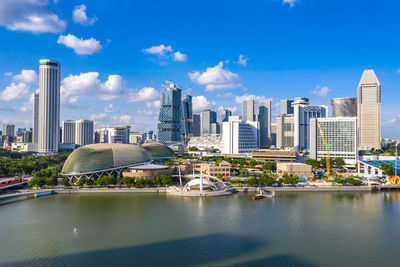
{"x": 11, "y": 181}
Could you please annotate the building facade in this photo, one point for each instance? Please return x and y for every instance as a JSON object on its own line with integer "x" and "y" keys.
{"x": 285, "y": 131}
{"x": 169, "y": 117}
{"x": 264, "y": 117}
{"x": 35, "y": 118}
{"x": 240, "y": 136}
{"x": 196, "y": 125}
{"x": 369, "y": 111}
{"x": 135, "y": 138}
{"x": 68, "y": 132}
{"x": 248, "y": 110}
{"x": 303, "y": 112}
{"x": 49, "y": 106}
{"x": 340, "y": 135}
{"x": 226, "y": 113}
{"x": 286, "y": 106}
{"x": 84, "y": 132}
{"x": 207, "y": 117}
{"x": 9, "y": 129}
{"x": 344, "y": 107}
{"x": 187, "y": 115}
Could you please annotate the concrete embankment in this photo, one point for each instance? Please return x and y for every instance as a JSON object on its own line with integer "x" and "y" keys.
{"x": 311, "y": 189}
{"x": 110, "y": 190}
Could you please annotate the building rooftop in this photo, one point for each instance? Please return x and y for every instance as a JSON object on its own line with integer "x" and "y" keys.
{"x": 369, "y": 77}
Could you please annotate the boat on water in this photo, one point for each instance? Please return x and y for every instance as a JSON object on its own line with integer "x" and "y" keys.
{"x": 263, "y": 194}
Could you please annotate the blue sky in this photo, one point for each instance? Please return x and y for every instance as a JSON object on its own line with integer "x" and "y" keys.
{"x": 115, "y": 55}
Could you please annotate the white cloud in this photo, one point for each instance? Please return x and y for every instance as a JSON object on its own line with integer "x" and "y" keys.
{"x": 27, "y": 106}
{"x": 79, "y": 45}
{"x": 98, "y": 117}
{"x": 160, "y": 50}
{"x": 146, "y": 112}
{"x": 240, "y": 99}
{"x": 30, "y": 16}
{"x": 178, "y": 56}
{"x": 144, "y": 94}
{"x": 226, "y": 95}
{"x": 153, "y": 104}
{"x": 14, "y": 91}
{"x": 89, "y": 84}
{"x": 200, "y": 103}
{"x": 79, "y": 16}
{"x": 242, "y": 60}
{"x": 26, "y": 76}
{"x": 8, "y": 73}
{"x": 111, "y": 109}
{"x": 289, "y": 2}
{"x": 216, "y": 78}
{"x": 321, "y": 91}
{"x": 126, "y": 119}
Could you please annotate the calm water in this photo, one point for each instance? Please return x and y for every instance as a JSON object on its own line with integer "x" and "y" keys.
{"x": 295, "y": 229}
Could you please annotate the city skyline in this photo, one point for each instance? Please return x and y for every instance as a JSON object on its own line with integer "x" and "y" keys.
{"x": 118, "y": 82}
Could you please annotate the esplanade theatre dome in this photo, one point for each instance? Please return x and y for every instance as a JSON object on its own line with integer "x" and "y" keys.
{"x": 103, "y": 159}
{"x": 159, "y": 151}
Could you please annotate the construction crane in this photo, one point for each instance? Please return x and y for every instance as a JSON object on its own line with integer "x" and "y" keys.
{"x": 328, "y": 160}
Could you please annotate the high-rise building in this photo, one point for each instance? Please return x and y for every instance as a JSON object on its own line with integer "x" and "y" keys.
{"x": 248, "y": 110}
{"x": 286, "y": 107}
{"x": 83, "y": 132}
{"x": 215, "y": 128}
{"x": 207, "y": 117}
{"x": 340, "y": 133}
{"x": 226, "y": 113}
{"x": 344, "y": 107}
{"x": 35, "y": 119}
{"x": 9, "y": 129}
{"x": 196, "y": 125}
{"x": 169, "y": 117}
{"x": 187, "y": 122}
{"x": 303, "y": 112}
{"x": 369, "y": 111}
{"x": 135, "y": 138}
{"x": 49, "y": 106}
{"x": 26, "y": 136}
{"x": 264, "y": 117}
{"x": 285, "y": 131}
{"x": 68, "y": 132}
{"x": 240, "y": 136}
{"x": 273, "y": 134}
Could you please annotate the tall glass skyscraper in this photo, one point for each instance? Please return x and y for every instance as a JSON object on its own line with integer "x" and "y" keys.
{"x": 49, "y": 106}
{"x": 187, "y": 118}
{"x": 169, "y": 117}
{"x": 207, "y": 117}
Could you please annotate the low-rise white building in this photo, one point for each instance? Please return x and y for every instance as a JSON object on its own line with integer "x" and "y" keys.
{"x": 240, "y": 136}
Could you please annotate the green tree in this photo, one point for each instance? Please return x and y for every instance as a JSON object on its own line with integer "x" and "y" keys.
{"x": 37, "y": 182}
{"x": 64, "y": 182}
{"x": 270, "y": 166}
{"x": 166, "y": 179}
{"x": 387, "y": 168}
{"x": 126, "y": 180}
{"x": 339, "y": 163}
{"x": 252, "y": 163}
{"x": 289, "y": 179}
{"x": 313, "y": 162}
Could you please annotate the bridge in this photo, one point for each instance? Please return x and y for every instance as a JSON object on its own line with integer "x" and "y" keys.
{"x": 13, "y": 182}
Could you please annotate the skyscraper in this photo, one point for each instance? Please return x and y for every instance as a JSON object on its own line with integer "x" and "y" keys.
{"x": 68, "y": 132}
{"x": 286, "y": 107}
{"x": 187, "y": 122}
{"x": 248, "y": 110}
{"x": 169, "y": 117}
{"x": 49, "y": 106}
{"x": 35, "y": 119}
{"x": 369, "y": 110}
{"x": 83, "y": 132}
{"x": 196, "y": 124}
{"x": 207, "y": 117}
{"x": 9, "y": 129}
{"x": 344, "y": 107}
{"x": 264, "y": 117}
{"x": 226, "y": 114}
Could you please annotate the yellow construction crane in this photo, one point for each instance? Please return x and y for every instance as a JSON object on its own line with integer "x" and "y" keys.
{"x": 328, "y": 161}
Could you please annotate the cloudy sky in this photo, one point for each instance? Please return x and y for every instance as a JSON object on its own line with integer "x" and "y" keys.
{"x": 116, "y": 54}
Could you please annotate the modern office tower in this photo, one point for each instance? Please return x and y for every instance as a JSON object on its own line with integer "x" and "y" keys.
{"x": 169, "y": 117}
{"x": 303, "y": 112}
{"x": 9, "y": 129}
{"x": 264, "y": 117}
{"x": 286, "y": 107}
{"x": 135, "y": 138}
{"x": 26, "y": 136}
{"x": 119, "y": 134}
{"x": 240, "y": 136}
{"x": 341, "y": 135}
{"x": 248, "y": 110}
{"x": 206, "y": 118}
{"x": 187, "y": 122}
{"x": 369, "y": 111}
{"x": 68, "y": 132}
{"x": 215, "y": 128}
{"x": 285, "y": 131}
{"x": 49, "y": 106}
{"x": 196, "y": 125}
{"x": 344, "y": 107}
{"x": 35, "y": 118}
{"x": 273, "y": 134}
{"x": 83, "y": 132}
{"x": 226, "y": 114}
